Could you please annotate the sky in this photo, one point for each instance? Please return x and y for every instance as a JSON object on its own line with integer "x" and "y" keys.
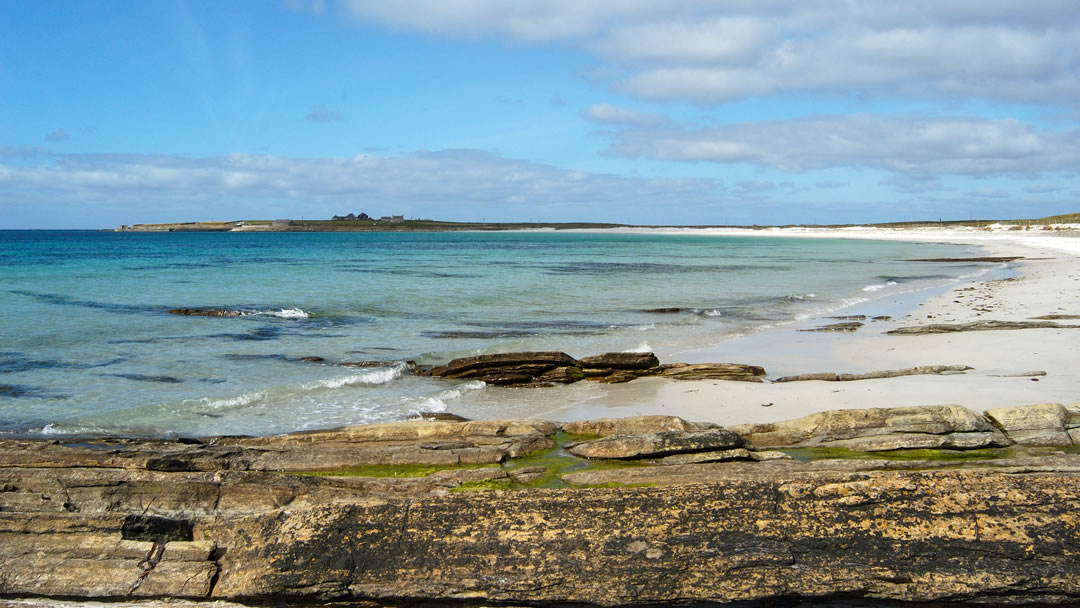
{"x": 673, "y": 112}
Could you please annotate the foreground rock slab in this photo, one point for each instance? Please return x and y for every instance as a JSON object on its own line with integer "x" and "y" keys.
{"x": 881, "y": 429}
{"x": 102, "y": 519}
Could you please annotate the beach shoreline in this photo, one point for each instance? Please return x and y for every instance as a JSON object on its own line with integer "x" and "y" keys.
{"x": 1010, "y": 368}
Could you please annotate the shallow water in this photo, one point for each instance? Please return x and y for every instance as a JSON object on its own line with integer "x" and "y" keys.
{"x": 87, "y": 345}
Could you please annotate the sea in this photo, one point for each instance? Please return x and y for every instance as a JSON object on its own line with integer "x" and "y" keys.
{"x": 87, "y": 345}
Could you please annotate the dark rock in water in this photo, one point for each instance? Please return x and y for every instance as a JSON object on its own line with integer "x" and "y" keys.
{"x": 312, "y": 359}
{"x": 620, "y": 361}
{"x": 664, "y": 310}
{"x": 663, "y": 443}
{"x": 846, "y": 326}
{"x": 147, "y": 378}
{"x": 13, "y": 390}
{"x": 209, "y": 312}
{"x": 882, "y": 318}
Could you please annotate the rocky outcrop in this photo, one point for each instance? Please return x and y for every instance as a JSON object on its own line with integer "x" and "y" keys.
{"x": 637, "y": 425}
{"x": 505, "y": 369}
{"x": 99, "y": 523}
{"x": 891, "y": 373}
{"x": 713, "y": 371}
{"x": 1044, "y": 424}
{"x": 988, "y": 325}
{"x": 881, "y": 429}
{"x": 546, "y": 368}
{"x": 663, "y": 443}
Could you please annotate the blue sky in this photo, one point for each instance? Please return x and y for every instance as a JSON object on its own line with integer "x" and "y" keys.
{"x": 636, "y": 111}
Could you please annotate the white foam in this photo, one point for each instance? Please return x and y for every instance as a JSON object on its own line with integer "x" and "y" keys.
{"x": 285, "y": 313}
{"x": 879, "y": 286}
{"x": 714, "y": 313}
{"x": 640, "y": 348}
{"x": 438, "y": 402}
{"x": 373, "y": 377}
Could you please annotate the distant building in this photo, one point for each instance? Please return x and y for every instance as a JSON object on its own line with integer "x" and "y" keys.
{"x": 350, "y": 217}
{"x": 393, "y": 219}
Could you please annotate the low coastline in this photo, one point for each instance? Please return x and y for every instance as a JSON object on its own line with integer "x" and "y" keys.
{"x": 1047, "y": 281}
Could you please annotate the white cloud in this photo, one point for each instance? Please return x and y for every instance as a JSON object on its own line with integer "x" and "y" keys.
{"x": 710, "y": 51}
{"x": 433, "y": 184}
{"x": 904, "y": 144}
{"x": 612, "y": 115}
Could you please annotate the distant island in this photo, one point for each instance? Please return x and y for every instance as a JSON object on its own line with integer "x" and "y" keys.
{"x": 397, "y": 223}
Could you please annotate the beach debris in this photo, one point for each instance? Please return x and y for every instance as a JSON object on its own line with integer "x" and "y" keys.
{"x": 1056, "y": 317}
{"x": 1019, "y": 374}
{"x": 986, "y": 325}
{"x": 890, "y": 373}
{"x": 837, "y": 327}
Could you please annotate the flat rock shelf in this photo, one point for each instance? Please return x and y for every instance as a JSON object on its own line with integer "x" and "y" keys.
{"x": 900, "y": 505}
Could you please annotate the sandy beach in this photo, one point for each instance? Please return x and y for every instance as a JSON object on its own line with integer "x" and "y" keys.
{"x": 1009, "y": 367}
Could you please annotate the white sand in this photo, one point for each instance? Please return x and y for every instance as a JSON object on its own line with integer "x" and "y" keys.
{"x": 1046, "y": 286}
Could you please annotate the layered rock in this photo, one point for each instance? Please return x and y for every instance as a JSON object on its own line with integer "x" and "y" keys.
{"x": 663, "y": 443}
{"x": 891, "y": 373}
{"x": 987, "y": 325}
{"x": 1044, "y": 424}
{"x": 881, "y": 429}
{"x": 546, "y": 368}
{"x": 107, "y": 526}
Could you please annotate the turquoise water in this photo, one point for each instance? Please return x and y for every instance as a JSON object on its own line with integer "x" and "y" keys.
{"x": 86, "y": 344}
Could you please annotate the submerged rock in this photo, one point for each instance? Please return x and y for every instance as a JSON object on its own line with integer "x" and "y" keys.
{"x": 210, "y": 312}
